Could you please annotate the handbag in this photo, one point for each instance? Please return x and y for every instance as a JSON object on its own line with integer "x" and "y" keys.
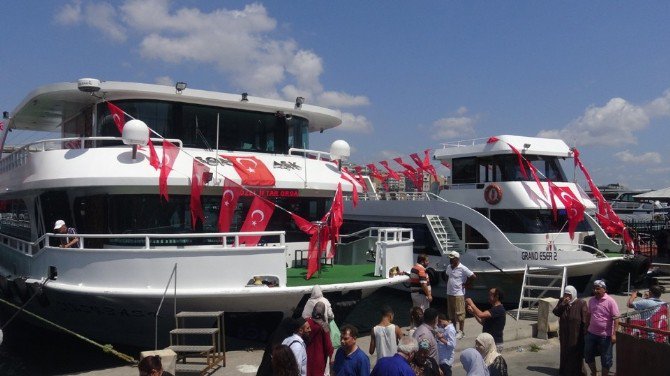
{"x": 334, "y": 334}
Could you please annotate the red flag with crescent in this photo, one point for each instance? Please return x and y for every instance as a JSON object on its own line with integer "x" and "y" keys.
{"x": 573, "y": 207}
{"x": 257, "y": 219}
{"x": 118, "y": 115}
{"x": 231, "y": 194}
{"x": 375, "y": 172}
{"x": 197, "y": 184}
{"x": 354, "y": 192}
{"x": 170, "y": 153}
{"x": 252, "y": 170}
{"x": 429, "y": 166}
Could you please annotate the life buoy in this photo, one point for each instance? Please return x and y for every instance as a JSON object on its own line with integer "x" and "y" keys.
{"x": 493, "y": 194}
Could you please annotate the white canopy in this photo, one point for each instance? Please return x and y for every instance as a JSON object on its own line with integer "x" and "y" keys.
{"x": 660, "y": 194}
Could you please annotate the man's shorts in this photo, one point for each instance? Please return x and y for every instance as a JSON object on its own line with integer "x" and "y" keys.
{"x": 456, "y": 307}
{"x": 604, "y": 344}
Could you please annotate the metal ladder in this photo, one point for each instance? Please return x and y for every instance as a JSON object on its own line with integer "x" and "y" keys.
{"x": 198, "y": 355}
{"x": 442, "y": 233}
{"x": 538, "y": 284}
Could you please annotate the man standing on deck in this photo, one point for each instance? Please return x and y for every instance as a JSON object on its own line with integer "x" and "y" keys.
{"x": 602, "y": 328}
{"x": 460, "y": 277}
{"x": 61, "y": 228}
{"x": 419, "y": 283}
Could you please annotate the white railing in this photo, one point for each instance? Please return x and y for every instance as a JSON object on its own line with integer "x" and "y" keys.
{"x": 20, "y": 156}
{"x": 228, "y": 240}
{"x": 394, "y": 196}
{"x": 464, "y": 143}
{"x": 315, "y": 154}
{"x": 395, "y": 234}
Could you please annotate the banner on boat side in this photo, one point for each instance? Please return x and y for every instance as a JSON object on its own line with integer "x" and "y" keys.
{"x": 252, "y": 170}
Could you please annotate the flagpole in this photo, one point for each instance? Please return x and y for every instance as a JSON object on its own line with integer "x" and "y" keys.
{"x": 216, "y": 155}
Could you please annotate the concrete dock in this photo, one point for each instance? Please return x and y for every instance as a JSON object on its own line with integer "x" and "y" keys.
{"x": 524, "y": 354}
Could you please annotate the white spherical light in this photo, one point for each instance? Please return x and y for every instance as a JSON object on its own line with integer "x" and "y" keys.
{"x": 340, "y": 150}
{"x": 135, "y": 132}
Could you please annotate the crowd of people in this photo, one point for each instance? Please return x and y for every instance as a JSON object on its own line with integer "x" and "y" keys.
{"x": 313, "y": 345}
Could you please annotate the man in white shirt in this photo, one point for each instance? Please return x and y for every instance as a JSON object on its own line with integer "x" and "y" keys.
{"x": 460, "y": 277}
{"x": 296, "y": 342}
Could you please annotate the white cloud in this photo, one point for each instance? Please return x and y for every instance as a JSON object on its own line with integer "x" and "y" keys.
{"x": 239, "y": 43}
{"x": 460, "y": 126}
{"x": 646, "y": 158}
{"x": 69, "y": 14}
{"x": 613, "y": 124}
{"x": 165, "y": 80}
{"x": 355, "y": 123}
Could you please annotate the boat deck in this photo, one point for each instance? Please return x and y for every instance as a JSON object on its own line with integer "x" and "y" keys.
{"x": 331, "y": 275}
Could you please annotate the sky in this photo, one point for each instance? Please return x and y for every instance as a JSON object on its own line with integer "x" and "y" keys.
{"x": 406, "y": 75}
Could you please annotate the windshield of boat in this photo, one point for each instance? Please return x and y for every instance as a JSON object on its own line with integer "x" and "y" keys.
{"x": 196, "y": 126}
{"x": 499, "y": 168}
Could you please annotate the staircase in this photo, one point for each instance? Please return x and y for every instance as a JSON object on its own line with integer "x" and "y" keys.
{"x": 443, "y": 233}
{"x": 199, "y": 349}
{"x": 538, "y": 284}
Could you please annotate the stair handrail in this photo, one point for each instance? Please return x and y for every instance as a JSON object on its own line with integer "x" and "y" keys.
{"x": 160, "y": 305}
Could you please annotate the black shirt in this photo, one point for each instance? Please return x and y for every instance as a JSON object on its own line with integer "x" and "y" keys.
{"x": 495, "y": 324}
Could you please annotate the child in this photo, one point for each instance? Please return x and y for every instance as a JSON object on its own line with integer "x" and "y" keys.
{"x": 385, "y": 335}
{"x": 445, "y": 335}
{"x": 415, "y": 319}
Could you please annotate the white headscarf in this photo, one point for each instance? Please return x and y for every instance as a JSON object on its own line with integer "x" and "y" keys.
{"x": 489, "y": 351}
{"x": 573, "y": 293}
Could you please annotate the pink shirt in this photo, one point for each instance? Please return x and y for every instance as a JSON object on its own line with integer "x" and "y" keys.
{"x": 602, "y": 312}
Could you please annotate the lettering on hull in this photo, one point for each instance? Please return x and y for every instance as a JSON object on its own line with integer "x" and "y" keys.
{"x": 539, "y": 256}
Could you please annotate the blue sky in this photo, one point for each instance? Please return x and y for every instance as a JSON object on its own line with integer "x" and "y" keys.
{"x": 406, "y": 75}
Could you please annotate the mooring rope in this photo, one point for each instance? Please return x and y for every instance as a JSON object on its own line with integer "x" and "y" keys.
{"x": 105, "y": 348}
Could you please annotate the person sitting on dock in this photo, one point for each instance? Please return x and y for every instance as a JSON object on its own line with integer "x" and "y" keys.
{"x": 61, "y": 228}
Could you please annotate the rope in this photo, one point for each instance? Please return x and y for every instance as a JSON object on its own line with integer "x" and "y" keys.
{"x": 107, "y": 348}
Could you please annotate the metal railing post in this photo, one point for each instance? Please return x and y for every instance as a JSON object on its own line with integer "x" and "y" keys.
{"x": 160, "y": 305}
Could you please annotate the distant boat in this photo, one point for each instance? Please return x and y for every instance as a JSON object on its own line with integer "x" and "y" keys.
{"x": 500, "y": 220}
{"x": 623, "y": 201}
{"x": 109, "y": 286}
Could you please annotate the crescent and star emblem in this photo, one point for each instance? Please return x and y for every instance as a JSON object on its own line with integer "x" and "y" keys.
{"x": 250, "y": 169}
{"x": 232, "y": 196}
{"x": 116, "y": 118}
{"x": 260, "y": 213}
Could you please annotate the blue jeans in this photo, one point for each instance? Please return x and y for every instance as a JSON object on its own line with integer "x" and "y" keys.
{"x": 592, "y": 343}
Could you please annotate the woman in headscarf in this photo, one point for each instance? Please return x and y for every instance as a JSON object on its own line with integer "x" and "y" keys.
{"x": 495, "y": 363}
{"x": 423, "y": 364}
{"x": 573, "y": 322}
{"x": 315, "y": 297}
{"x": 319, "y": 346}
{"x": 473, "y": 363}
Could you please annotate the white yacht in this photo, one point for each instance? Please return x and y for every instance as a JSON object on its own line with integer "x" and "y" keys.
{"x": 135, "y": 248}
{"x": 499, "y": 219}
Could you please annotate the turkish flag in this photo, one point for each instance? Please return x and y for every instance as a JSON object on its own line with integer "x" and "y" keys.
{"x": 170, "y": 152}
{"x": 392, "y": 173}
{"x": 354, "y": 192}
{"x": 336, "y": 219}
{"x": 405, "y": 165}
{"x": 231, "y": 194}
{"x": 252, "y": 170}
{"x": 118, "y": 115}
{"x": 257, "y": 219}
{"x": 197, "y": 183}
{"x": 573, "y": 207}
{"x": 153, "y": 156}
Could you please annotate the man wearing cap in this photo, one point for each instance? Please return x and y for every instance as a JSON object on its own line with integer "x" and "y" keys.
{"x": 296, "y": 342}
{"x": 61, "y": 228}
{"x": 460, "y": 277}
{"x": 602, "y": 328}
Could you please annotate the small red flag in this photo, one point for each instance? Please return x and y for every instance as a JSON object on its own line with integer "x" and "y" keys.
{"x": 118, "y": 115}
{"x": 354, "y": 192}
{"x": 153, "y": 156}
{"x": 197, "y": 184}
{"x": 252, "y": 170}
{"x": 392, "y": 173}
{"x": 428, "y": 166}
{"x": 170, "y": 152}
{"x": 231, "y": 194}
{"x": 257, "y": 219}
{"x": 573, "y": 207}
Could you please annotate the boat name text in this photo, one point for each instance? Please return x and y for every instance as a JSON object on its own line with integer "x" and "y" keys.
{"x": 541, "y": 256}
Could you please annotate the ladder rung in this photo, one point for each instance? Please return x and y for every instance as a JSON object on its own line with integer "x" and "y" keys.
{"x": 530, "y": 299}
{"x": 200, "y": 314}
{"x": 542, "y": 287}
{"x": 545, "y": 276}
{"x": 191, "y": 349}
{"x": 194, "y": 331}
{"x": 190, "y": 367}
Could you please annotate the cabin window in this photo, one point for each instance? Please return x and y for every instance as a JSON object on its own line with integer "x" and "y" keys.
{"x": 196, "y": 126}
{"x": 464, "y": 171}
{"x": 533, "y": 221}
{"x": 507, "y": 168}
{"x": 14, "y": 219}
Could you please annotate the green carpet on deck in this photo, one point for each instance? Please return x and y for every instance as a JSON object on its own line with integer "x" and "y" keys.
{"x": 331, "y": 275}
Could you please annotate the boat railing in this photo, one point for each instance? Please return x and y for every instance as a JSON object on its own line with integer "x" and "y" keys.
{"x": 311, "y": 154}
{"x": 395, "y": 196}
{"x": 224, "y": 240}
{"x": 20, "y": 156}
{"x": 381, "y": 233}
{"x": 464, "y": 143}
